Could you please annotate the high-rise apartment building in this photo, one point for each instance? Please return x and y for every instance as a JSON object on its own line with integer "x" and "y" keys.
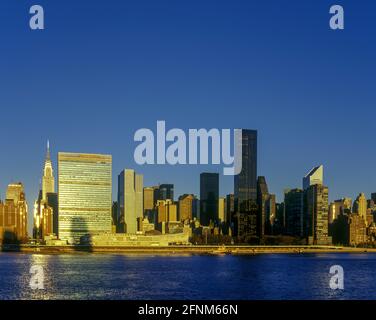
{"x": 130, "y": 199}
{"x": 84, "y": 195}
{"x": 187, "y": 207}
{"x": 360, "y": 206}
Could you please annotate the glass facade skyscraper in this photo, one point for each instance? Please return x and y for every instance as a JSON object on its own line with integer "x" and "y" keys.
{"x": 245, "y": 186}
{"x": 209, "y": 197}
{"x": 85, "y": 194}
{"x": 166, "y": 192}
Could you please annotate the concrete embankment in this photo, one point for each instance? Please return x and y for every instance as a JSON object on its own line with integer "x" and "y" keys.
{"x": 182, "y": 250}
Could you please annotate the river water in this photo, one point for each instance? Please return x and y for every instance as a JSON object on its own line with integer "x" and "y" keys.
{"x": 109, "y": 276}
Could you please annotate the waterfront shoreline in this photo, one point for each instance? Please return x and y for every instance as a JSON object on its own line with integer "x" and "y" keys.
{"x": 182, "y": 250}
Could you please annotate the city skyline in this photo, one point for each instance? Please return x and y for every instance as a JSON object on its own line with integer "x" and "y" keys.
{"x": 187, "y": 157}
{"x": 296, "y": 81}
{"x": 313, "y": 176}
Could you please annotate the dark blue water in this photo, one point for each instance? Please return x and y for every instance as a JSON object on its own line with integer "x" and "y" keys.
{"x": 95, "y": 276}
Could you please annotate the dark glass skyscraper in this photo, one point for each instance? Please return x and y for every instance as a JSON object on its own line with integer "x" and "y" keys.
{"x": 166, "y": 192}
{"x": 245, "y": 186}
{"x": 294, "y": 212}
{"x": 209, "y": 197}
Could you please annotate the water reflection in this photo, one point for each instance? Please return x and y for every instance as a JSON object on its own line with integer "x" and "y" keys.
{"x": 90, "y": 276}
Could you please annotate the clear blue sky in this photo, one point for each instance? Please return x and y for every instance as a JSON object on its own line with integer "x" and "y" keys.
{"x": 103, "y": 69}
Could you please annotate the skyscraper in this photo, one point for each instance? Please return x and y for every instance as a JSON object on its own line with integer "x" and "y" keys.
{"x": 149, "y": 203}
{"x": 48, "y": 180}
{"x": 130, "y": 199}
{"x": 150, "y": 196}
{"x": 316, "y": 208}
{"x": 166, "y": 191}
{"x": 222, "y": 210}
{"x": 187, "y": 207}
{"x": 360, "y": 206}
{"x": 167, "y": 211}
{"x": 315, "y": 176}
{"x": 13, "y": 214}
{"x": 262, "y": 198}
{"x": 293, "y": 206}
{"x": 44, "y": 213}
{"x": 209, "y": 197}
{"x": 52, "y": 202}
{"x": 14, "y": 192}
{"x": 85, "y": 195}
{"x": 230, "y": 208}
{"x": 245, "y": 187}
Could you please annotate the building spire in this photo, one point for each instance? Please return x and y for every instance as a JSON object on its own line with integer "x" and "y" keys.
{"x": 48, "y": 156}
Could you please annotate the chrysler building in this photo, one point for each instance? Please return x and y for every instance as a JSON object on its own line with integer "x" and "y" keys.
{"x": 48, "y": 180}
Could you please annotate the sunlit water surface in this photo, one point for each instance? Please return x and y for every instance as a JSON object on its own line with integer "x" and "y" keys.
{"x": 97, "y": 276}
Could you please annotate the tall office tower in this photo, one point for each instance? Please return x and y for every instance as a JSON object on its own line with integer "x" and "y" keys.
{"x": 43, "y": 212}
{"x": 14, "y": 192}
{"x": 52, "y": 202}
{"x": 293, "y": 212}
{"x": 187, "y": 207}
{"x": 166, "y": 191}
{"x": 315, "y": 176}
{"x": 130, "y": 199}
{"x": 150, "y": 196}
{"x": 209, "y": 196}
{"x": 360, "y": 206}
{"x": 222, "y": 210}
{"x": 13, "y": 214}
{"x": 230, "y": 208}
{"x": 315, "y": 208}
{"x": 48, "y": 180}
{"x": 167, "y": 211}
{"x": 245, "y": 187}
{"x": 263, "y": 197}
{"x": 84, "y": 195}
